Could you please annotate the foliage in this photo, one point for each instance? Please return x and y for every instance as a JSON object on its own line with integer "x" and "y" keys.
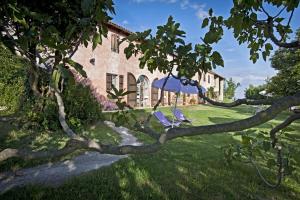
{"x": 169, "y": 40}
{"x": 287, "y": 63}
{"x": 55, "y": 25}
{"x": 13, "y": 81}
{"x": 253, "y": 92}
{"x": 107, "y": 104}
{"x": 252, "y": 24}
{"x": 40, "y": 114}
{"x": 256, "y": 144}
{"x": 121, "y": 116}
{"x": 230, "y": 87}
{"x": 48, "y": 33}
{"x": 81, "y": 106}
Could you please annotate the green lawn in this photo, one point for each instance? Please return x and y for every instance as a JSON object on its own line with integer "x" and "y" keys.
{"x": 185, "y": 168}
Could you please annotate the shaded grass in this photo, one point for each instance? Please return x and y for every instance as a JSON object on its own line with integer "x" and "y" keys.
{"x": 185, "y": 168}
{"x": 13, "y": 137}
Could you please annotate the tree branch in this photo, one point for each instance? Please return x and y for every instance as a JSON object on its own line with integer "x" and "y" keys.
{"x": 147, "y": 130}
{"x": 62, "y": 115}
{"x": 281, "y": 126}
{"x": 77, "y": 143}
{"x": 277, "y": 107}
{"x": 270, "y": 25}
{"x": 267, "y": 101}
{"x": 81, "y": 143}
{"x": 290, "y": 18}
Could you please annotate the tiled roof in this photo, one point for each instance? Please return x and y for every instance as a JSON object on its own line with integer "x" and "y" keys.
{"x": 214, "y": 73}
{"x": 119, "y": 28}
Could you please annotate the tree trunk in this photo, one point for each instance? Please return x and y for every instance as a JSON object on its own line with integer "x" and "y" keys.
{"x": 34, "y": 81}
{"x": 34, "y": 75}
{"x": 62, "y": 115}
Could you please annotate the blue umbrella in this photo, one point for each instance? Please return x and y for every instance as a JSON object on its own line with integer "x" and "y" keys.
{"x": 176, "y": 85}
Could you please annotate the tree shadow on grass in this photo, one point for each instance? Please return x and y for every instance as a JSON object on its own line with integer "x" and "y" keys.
{"x": 185, "y": 168}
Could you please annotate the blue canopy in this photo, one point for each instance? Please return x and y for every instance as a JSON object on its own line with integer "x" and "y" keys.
{"x": 176, "y": 85}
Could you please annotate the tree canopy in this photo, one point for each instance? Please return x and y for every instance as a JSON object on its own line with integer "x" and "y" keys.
{"x": 287, "y": 63}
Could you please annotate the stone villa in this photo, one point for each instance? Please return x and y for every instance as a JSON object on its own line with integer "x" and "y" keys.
{"x": 107, "y": 65}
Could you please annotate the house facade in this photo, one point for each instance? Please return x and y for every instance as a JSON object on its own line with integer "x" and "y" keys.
{"x": 107, "y": 65}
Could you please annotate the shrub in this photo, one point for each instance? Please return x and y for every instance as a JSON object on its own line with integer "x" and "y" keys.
{"x": 13, "y": 81}
{"x": 80, "y": 105}
{"x": 107, "y": 104}
{"x": 41, "y": 114}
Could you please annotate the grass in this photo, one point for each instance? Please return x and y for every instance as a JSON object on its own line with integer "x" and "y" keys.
{"x": 185, "y": 168}
{"x": 13, "y": 137}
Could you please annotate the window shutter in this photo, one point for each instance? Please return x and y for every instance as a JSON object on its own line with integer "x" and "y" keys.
{"x": 115, "y": 43}
{"x": 108, "y": 82}
{"x": 121, "y": 82}
{"x": 112, "y": 42}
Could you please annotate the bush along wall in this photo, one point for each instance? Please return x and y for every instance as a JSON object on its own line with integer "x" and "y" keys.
{"x": 41, "y": 113}
{"x": 13, "y": 79}
{"x": 81, "y": 105}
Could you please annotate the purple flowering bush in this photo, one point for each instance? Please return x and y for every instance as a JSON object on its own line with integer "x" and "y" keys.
{"x": 106, "y": 104}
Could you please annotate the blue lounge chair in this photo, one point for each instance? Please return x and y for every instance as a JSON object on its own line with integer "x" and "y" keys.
{"x": 164, "y": 121}
{"x": 180, "y": 116}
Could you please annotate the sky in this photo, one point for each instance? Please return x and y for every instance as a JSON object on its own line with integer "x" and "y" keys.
{"x": 139, "y": 15}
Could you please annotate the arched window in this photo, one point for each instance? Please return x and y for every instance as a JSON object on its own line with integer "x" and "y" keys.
{"x": 143, "y": 91}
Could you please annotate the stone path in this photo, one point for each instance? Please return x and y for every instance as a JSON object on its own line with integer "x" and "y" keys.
{"x": 55, "y": 174}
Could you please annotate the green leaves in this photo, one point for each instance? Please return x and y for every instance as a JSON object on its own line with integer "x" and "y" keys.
{"x": 96, "y": 40}
{"x": 217, "y": 58}
{"x": 55, "y": 79}
{"x": 87, "y": 6}
{"x": 210, "y": 12}
{"x": 78, "y": 67}
{"x": 120, "y": 117}
{"x": 268, "y": 47}
{"x": 205, "y": 23}
{"x": 118, "y": 94}
{"x": 271, "y": 163}
{"x": 64, "y": 71}
{"x": 211, "y": 37}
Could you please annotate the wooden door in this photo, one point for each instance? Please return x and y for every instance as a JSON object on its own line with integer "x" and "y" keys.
{"x": 131, "y": 86}
{"x": 154, "y": 95}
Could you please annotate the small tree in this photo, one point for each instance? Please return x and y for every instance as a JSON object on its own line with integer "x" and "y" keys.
{"x": 230, "y": 88}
